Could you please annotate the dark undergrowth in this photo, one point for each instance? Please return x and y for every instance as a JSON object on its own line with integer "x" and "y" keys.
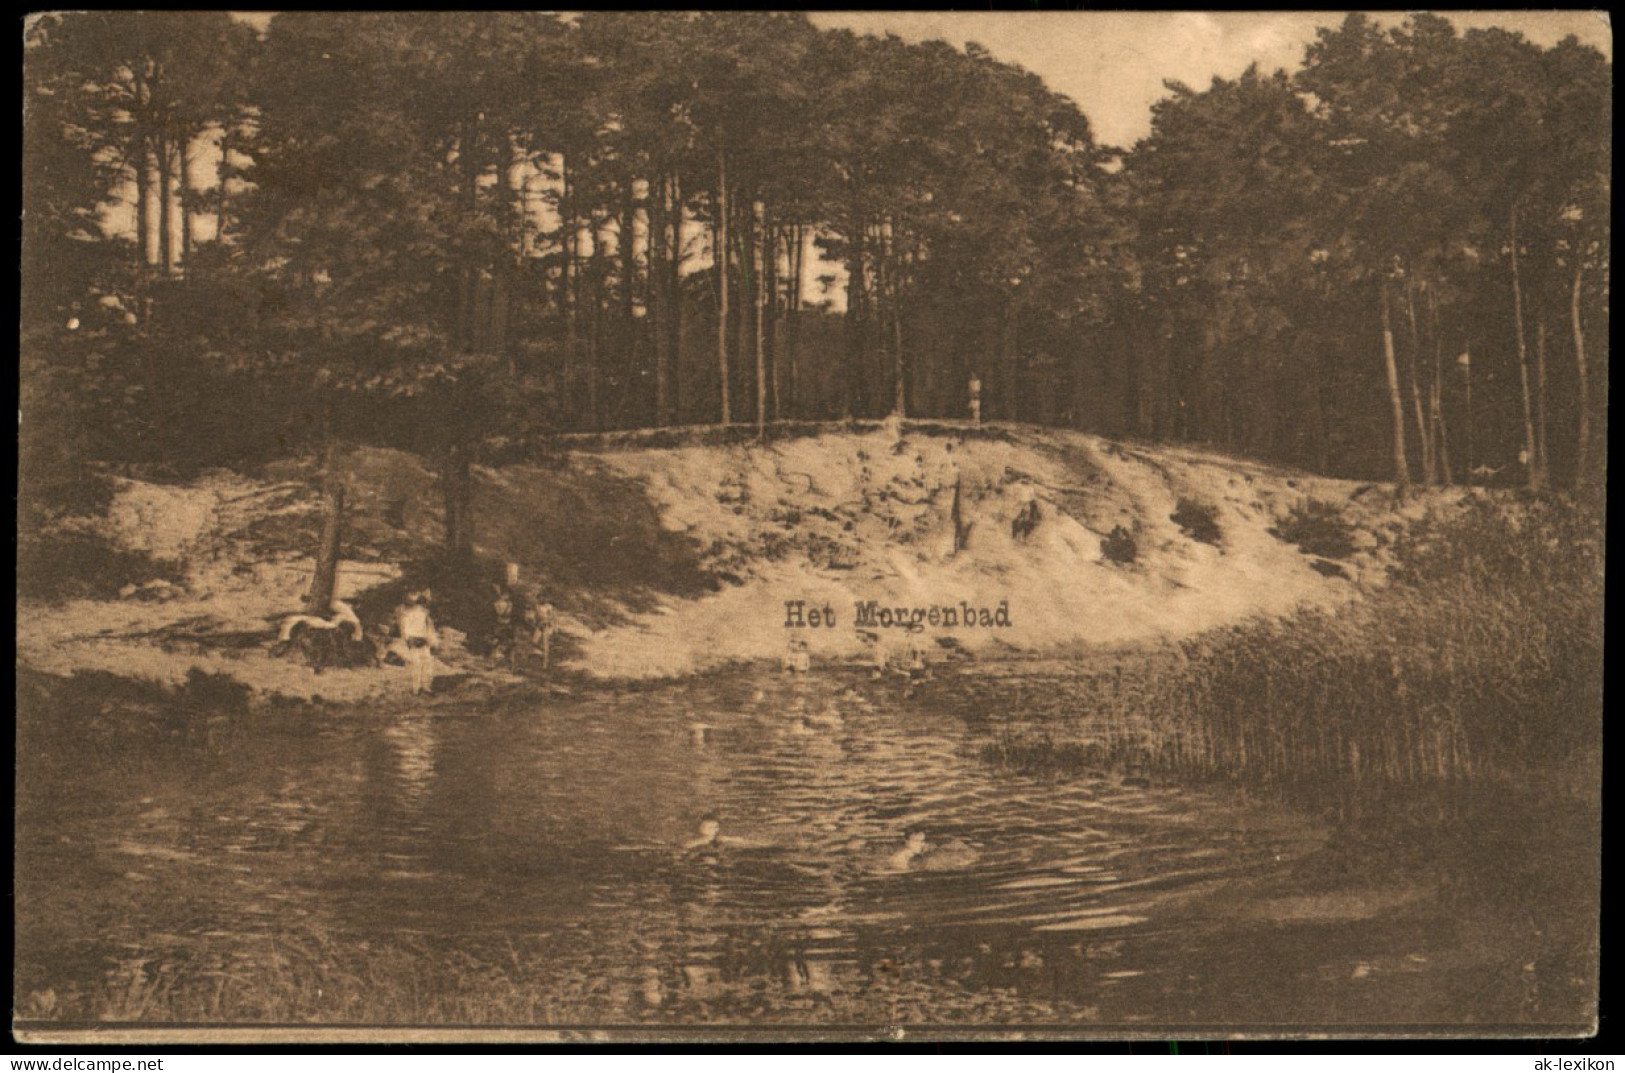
{"x": 1317, "y": 528}
{"x": 1119, "y": 546}
{"x": 57, "y": 566}
{"x": 1199, "y": 521}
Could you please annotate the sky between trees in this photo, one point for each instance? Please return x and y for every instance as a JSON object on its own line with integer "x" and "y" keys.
{"x": 1114, "y": 63}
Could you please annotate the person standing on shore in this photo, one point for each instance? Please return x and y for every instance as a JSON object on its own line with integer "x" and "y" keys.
{"x": 421, "y": 638}
{"x": 504, "y": 639}
{"x": 540, "y": 620}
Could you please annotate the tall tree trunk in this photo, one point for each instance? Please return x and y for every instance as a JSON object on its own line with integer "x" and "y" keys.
{"x": 890, "y": 259}
{"x": 143, "y": 179}
{"x": 742, "y": 232}
{"x": 627, "y": 242}
{"x": 497, "y": 330}
{"x": 1008, "y": 347}
{"x": 166, "y": 194}
{"x": 745, "y": 296}
{"x": 1436, "y": 397}
{"x": 144, "y": 243}
{"x": 595, "y": 327}
{"x": 719, "y": 265}
{"x": 1015, "y": 366}
{"x": 457, "y": 497}
{"x": 658, "y": 299}
{"x": 897, "y": 345}
{"x": 1472, "y": 424}
{"x": 1541, "y": 457}
{"x": 186, "y": 203}
{"x": 854, "y": 395}
{"x": 469, "y": 335}
{"x": 324, "y": 583}
{"x": 1402, "y": 471}
{"x": 570, "y": 281}
{"x": 1321, "y": 370}
{"x": 1140, "y": 381}
{"x": 720, "y": 256}
{"x": 880, "y": 303}
{"x": 1323, "y": 440}
{"x": 759, "y": 236}
{"x": 962, "y": 342}
{"x": 521, "y": 230}
{"x": 463, "y": 338}
{"x": 222, "y": 217}
{"x": 773, "y": 283}
{"x": 1129, "y": 402}
{"x": 794, "y": 342}
{"x": 1424, "y": 429}
{"x": 1531, "y": 458}
{"x": 1583, "y": 434}
{"x": 674, "y": 312}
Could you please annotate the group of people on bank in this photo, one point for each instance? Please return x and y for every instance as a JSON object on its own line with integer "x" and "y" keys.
{"x": 522, "y": 630}
{"x": 518, "y": 629}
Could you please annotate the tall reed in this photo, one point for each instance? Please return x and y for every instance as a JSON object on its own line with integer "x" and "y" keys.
{"x": 1481, "y": 658}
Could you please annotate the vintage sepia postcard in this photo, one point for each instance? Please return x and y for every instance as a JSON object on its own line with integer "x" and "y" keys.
{"x": 716, "y": 526}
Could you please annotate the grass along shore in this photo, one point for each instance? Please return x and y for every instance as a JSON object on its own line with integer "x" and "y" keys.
{"x": 1481, "y": 661}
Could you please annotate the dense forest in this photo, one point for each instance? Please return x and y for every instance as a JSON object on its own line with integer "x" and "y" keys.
{"x": 441, "y": 231}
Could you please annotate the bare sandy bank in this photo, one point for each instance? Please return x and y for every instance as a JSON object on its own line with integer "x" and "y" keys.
{"x": 673, "y": 559}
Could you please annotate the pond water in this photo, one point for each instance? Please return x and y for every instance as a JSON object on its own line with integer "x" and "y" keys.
{"x": 574, "y": 829}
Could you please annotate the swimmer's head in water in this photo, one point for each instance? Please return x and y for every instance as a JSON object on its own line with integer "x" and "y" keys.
{"x": 916, "y": 840}
{"x": 709, "y": 828}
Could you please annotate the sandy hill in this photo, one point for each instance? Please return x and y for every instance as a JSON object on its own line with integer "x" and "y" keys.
{"x": 1048, "y": 521}
{"x": 681, "y": 556}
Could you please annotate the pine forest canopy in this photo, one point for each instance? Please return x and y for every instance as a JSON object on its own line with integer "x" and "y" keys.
{"x": 433, "y": 229}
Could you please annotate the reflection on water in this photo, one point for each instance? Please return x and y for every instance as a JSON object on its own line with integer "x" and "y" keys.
{"x": 414, "y": 740}
{"x": 793, "y": 836}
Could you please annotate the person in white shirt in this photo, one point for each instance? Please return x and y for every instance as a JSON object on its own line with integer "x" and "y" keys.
{"x": 418, "y": 633}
